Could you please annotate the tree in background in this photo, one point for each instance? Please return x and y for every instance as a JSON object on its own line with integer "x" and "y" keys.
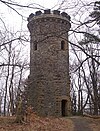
{"x": 88, "y": 70}
{"x": 84, "y": 49}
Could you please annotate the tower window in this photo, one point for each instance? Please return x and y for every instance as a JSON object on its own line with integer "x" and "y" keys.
{"x": 35, "y": 46}
{"x": 64, "y": 107}
{"x": 62, "y": 45}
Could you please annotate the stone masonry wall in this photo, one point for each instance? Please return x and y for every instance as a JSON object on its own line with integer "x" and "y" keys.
{"x": 49, "y": 63}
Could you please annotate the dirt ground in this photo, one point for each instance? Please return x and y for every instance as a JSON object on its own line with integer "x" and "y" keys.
{"x": 95, "y": 124}
{"x": 36, "y": 123}
{"x": 85, "y": 123}
{"x": 81, "y": 124}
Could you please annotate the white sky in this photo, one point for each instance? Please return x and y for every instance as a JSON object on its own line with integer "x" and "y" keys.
{"x": 13, "y": 20}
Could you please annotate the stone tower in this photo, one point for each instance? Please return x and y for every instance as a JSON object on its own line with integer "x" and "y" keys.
{"x": 49, "y": 91}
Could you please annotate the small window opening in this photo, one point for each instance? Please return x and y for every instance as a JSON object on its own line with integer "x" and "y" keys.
{"x": 35, "y": 46}
{"x": 62, "y": 45}
{"x": 63, "y": 107}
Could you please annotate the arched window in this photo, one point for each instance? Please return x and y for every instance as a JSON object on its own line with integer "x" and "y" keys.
{"x": 62, "y": 45}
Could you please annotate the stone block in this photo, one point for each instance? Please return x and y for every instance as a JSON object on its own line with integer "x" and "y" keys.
{"x": 48, "y": 11}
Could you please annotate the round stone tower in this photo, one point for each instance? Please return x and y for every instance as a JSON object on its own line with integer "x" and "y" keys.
{"x": 49, "y": 90}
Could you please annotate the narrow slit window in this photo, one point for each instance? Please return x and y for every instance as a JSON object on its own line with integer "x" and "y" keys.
{"x": 62, "y": 45}
{"x": 35, "y": 46}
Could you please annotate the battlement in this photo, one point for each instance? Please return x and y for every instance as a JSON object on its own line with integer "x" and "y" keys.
{"x": 49, "y": 13}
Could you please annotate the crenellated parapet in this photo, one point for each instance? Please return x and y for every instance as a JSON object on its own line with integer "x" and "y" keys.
{"x": 48, "y": 17}
{"x": 49, "y": 13}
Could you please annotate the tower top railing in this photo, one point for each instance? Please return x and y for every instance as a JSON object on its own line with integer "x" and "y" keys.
{"x": 48, "y": 12}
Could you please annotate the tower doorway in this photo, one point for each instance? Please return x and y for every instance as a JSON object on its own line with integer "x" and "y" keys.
{"x": 63, "y": 107}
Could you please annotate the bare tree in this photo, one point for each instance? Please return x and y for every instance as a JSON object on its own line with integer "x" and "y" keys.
{"x": 83, "y": 38}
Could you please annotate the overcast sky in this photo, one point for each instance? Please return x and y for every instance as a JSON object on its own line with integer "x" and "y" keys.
{"x": 12, "y": 19}
{"x": 14, "y": 22}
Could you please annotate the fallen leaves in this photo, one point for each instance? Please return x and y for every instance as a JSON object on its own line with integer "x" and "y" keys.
{"x": 36, "y": 123}
{"x": 95, "y": 124}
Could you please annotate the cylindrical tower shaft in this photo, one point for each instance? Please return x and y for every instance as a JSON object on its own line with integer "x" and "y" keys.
{"x": 49, "y": 63}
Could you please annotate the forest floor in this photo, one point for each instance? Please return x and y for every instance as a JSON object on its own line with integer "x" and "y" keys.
{"x": 37, "y": 123}
{"x": 85, "y": 123}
